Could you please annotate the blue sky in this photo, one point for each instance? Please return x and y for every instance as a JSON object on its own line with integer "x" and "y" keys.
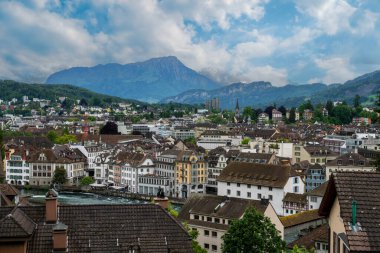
{"x": 281, "y": 41}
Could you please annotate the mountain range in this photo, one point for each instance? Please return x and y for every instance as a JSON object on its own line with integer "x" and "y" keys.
{"x": 166, "y": 79}
{"x": 150, "y": 81}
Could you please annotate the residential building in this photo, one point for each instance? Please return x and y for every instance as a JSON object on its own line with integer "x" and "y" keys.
{"x": 217, "y": 161}
{"x": 351, "y": 204}
{"x": 315, "y": 176}
{"x": 191, "y": 173}
{"x": 314, "y": 197}
{"x": 259, "y": 181}
{"x": 296, "y": 224}
{"x": 150, "y": 184}
{"x": 211, "y": 216}
{"x": 276, "y": 115}
{"x": 183, "y": 132}
{"x": 166, "y": 167}
{"x": 317, "y": 240}
{"x": 313, "y": 154}
{"x": 294, "y": 203}
{"x": 263, "y": 118}
{"x": 349, "y": 162}
{"x": 307, "y": 114}
{"x": 361, "y": 121}
{"x": 211, "y": 139}
{"x": 90, "y": 228}
{"x": 17, "y": 168}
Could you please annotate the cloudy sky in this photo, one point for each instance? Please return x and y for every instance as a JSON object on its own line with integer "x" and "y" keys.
{"x": 281, "y": 41}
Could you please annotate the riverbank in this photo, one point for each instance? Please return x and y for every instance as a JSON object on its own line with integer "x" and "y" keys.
{"x": 101, "y": 192}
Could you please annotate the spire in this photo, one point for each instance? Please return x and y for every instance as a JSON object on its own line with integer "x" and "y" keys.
{"x": 237, "y": 109}
{"x": 237, "y": 104}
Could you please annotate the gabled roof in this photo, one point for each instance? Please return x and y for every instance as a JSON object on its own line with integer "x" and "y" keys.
{"x": 364, "y": 188}
{"x": 318, "y": 191}
{"x": 256, "y": 174}
{"x": 102, "y": 228}
{"x": 349, "y": 159}
{"x": 300, "y": 218}
{"x": 9, "y": 190}
{"x": 16, "y": 224}
{"x": 295, "y": 198}
{"x": 319, "y": 234}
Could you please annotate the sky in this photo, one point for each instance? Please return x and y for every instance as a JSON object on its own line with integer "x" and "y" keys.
{"x": 281, "y": 41}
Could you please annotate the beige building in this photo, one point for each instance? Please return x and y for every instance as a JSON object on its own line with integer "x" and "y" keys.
{"x": 314, "y": 154}
{"x": 351, "y": 204}
{"x": 349, "y": 162}
{"x": 211, "y": 215}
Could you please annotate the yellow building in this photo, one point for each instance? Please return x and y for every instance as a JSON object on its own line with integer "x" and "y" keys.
{"x": 191, "y": 169}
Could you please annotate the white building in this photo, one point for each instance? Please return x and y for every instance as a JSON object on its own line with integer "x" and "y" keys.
{"x": 259, "y": 181}
{"x": 17, "y": 168}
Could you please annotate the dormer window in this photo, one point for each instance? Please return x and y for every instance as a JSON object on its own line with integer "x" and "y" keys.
{"x": 42, "y": 157}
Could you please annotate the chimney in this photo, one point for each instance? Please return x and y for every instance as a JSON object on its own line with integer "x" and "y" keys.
{"x": 60, "y": 239}
{"x": 51, "y": 206}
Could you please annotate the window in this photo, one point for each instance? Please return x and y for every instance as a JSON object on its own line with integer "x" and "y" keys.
{"x": 228, "y": 183}
{"x": 295, "y": 180}
{"x": 295, "y": 189}
{"x": 259, "y": 187}
{"x": 259, "y": 195}
{"x": 216, "y": 220}
{"x": 214, "y": 234}
{"x": 206, "y": 246}
{"x": 248, "y": 194}
{"x": 237, "y": 193}
{"x": 228, "y": 191}
{"x": 214, "y": 248}
{"x": 270, "y": 188}
{"x": 248, "y": 186}
{"x": 238, "y": 184}
{"x": 206, "y": 233}
{"x": 270, "y": 197}
{"x": 313, "y": 199}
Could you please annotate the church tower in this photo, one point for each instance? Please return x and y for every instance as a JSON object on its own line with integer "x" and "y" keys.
{"x": 237, "y": 109}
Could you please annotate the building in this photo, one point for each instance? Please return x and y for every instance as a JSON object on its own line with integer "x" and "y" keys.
{"x": 150, "y": 184}
{"x": 213, "y": 104}
{"x": 43, "y": 163}
{"x": 263, "y": 118}
{"x": 307, "y": 114}
{"x": 349, "y": 162}
{"x": 317, "y": 240}
{"x": 166, "y": 167}
{"x": 314, "y": 197}
{"x": 276, "y": 116}
{"x": 351, "y": 204}
{"x": 361, "y": 121}
{"x": 191, "y": 173}
{"x": 183, "y": 132}
{"x": 212, "y": 139}
{"x": 217, "y": 161}
{"x": 90, "y": 228}
{"x": 259, "y": 181}
{"x": 315, "y": 176}
{"x": 211, "y": 215}
{"x": 294, "y": 203}
{"x": 17, "y": 167}
{"x": 313, "y": 154}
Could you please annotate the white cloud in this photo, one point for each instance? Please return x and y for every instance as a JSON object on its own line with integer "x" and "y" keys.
{"x": 337, "y": 69}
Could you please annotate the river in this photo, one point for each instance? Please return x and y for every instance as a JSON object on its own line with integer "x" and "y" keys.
{"x": 81, "y": 198}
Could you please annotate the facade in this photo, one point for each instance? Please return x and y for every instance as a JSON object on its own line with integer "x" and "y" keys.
{"x": 263, "y": 118}
{"x": 17, "y": 167}
{"x": 166, "y": 167}
{"x": 276, "y": 115}
{"x": 191, "y": 173}
{"x": 313, "y": 154}
{"x": 259, "y": 181}
{"x": 349, "y": 162}
{"x": 294, "y": 203}
{"x": 314, "y": 197}
{"x": 307, "y": 114}
{"x": 317, "y": 240}
{"x": 350, "y": 204}
{"x": 211, "y": 215}
{"x": 150, "y": 184}
{"x": 217, "y": 161}
{"x": 212, "y": 139}
{"x": 315, "y": 176}
{"x": 183, "y": 133}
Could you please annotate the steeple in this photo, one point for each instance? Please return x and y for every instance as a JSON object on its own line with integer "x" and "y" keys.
{"x": 237, "y": 109}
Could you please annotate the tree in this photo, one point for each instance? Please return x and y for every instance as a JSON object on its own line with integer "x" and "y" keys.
{"x": 292, "y": 115}
{"x": 191, "y": 140}
{"x": 83, "y": 102}
{"x": 342, "y": 113}
{"x": 247, "y": 112}
{"x": 52, "y": 135}
{"x": 253, "y": 233}
{"x": 66, "y": 138}
{"x": 60, "y": 176}
{"x": 297, "y": 249}
{"x": 109, "y": 128}
{"x": 194, "y": 234}
{"x": 357, "y": 101}
{"x": 329, "y": 106}
{"x": 268, "y": 111}
{"x": 87, "y": 181}
{"x": 245, "y": 141}
{"x": 282, "y": 109}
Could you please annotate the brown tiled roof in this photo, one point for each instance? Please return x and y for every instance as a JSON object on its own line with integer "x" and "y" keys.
{"x": 256, "y": 174}
{"x": 109, "y": 228}
{"x": 318, "y": 191}
{"x": 300, "y": 218}
{"x": 29, "y": 141}
{"x": 320, "y": 151}
{"x": 217, "y": 206}
{"x": 252, "y": 157}
{"x": 364, "y": 188}
{"x": 263, "y": 133}
{"x": 9, "y": 190}
{"x": 16, "y": 224}
{"x": 295, "y": 198}
{"x": 349, "y": 159}
{"x": 319, "y": 234}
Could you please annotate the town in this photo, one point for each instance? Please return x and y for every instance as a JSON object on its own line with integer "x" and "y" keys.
{"x": 296, "y": 166}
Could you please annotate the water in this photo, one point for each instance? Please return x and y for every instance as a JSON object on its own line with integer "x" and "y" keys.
{"x": 81, "y": 198}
